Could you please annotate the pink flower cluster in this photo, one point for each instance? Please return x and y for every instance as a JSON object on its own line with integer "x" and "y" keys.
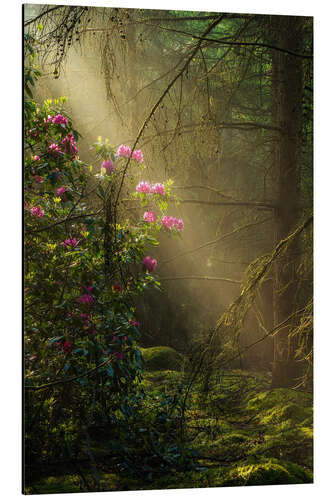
{"x": 58, "y": 119}
{"x": 143, "y": 187}
{"x": 126, "y": 151}
{"x": 109, "y": 166}
{"x": 61, "y": 190}
{"x": 86, "y": 298}
{"x": 158, "y": 189}
{"x": 37, "y": 211}
{"x": 137, "y": 155}
{"x": 149, "y": 263}
{"x": 170, "y": 222}
{"x": 36, "y": 158}
{"x": 149, "y": 217}
{"x": 70, "y": 243}
{"x": 38, "y": 179}
{"x": 54, "y": 149}
{"x": 68, "y": 346}
{"x": 69, "y": 144}
{"x": 86, "y": 318}
{"x": 134, "y": 323}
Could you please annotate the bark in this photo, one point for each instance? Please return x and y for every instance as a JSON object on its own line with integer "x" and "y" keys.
{"x": 287, "y": 89}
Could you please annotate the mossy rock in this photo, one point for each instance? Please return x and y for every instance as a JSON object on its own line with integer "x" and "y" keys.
{"x": 265, "y": 473}
{"x": 162, "y": 358}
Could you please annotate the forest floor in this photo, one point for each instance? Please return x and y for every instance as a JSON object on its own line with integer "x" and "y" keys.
{"x": 244, "y": 433}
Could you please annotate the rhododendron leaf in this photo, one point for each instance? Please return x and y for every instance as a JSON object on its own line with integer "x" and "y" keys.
{"x": 110, "y": 371}
{"x": 55, "y": 339}
{"x": 101, "y": 190}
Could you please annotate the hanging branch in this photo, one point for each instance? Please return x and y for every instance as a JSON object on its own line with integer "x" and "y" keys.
{"x": 160, "y": 99}
{"x": 218, "y": 240}
{"x": 257, "y": 272}
{"x": 208, "y": 278}
{"x": 222, "y": 41}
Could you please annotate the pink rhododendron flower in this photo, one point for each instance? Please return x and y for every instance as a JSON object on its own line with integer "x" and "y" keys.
{"x": 170, "y": 222}
{"x": 114, "y": 339}
{"x": 37, "y": 211}
{"x": 69, "y": 144}
{"x": 57, "y": 282}
{"x": 180, "y": 224}
{"x": 61, "y": 190}
{"x": 149, "y": 263}
{"x": 86, "y": 299}
{"x": 134, "y": 323}
{"x": 143, "y": 187}
{"x": 149, "y": 216}
{"x": 124, "y": 151}
{"x": 54, "y": 149}
{"x": 38, "y": 179}
{"x": 59, "y": 119}
{"x": 109, "y": 166}
{"x": 117, "y": 287}
{"x": 119, "y": 355}
{"x": 70, "y": 243}
{"x": 36, "y": 158}
{"x": 68, "y": 346}
{"x": 137, "y": 155}
{"x": 158, "y": 189}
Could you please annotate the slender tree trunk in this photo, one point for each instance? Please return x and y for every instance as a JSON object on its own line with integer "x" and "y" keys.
{"x": 287, "y": 87}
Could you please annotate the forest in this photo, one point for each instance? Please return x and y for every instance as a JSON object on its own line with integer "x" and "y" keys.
{"x": 168, "y": 249}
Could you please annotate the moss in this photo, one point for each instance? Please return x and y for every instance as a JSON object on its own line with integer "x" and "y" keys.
{"x": 58, "y": 484}
{"x": 278, "y": 397}
{"x": 162, "y": 358}
{"x": 291, "y": 411}
{"x": 268, "y": 472}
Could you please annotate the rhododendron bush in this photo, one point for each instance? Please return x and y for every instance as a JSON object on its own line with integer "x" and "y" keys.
{"x": 84, "y": 265}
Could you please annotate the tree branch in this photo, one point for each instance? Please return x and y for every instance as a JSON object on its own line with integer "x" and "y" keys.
{"x": 160, "y": 99}
{"x": 208, "y": 278}
{"x": 71, "y": 379}
{"x": 253, "y": 204}
{"x": 218, "y": 240}
{"x": 221, "y": 41}
{"x": 43, "y": 14}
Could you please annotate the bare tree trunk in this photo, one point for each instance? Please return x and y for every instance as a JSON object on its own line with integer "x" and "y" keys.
{"x": 287, "y": 89}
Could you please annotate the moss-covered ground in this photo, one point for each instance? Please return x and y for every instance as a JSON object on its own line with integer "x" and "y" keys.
{"x": 244, "y": 433}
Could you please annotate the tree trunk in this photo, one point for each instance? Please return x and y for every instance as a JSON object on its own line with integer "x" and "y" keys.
{"x": 287, "y": 89}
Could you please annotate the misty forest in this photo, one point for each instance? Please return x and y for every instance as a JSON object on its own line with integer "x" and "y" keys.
{"x": 168, "y": 269}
